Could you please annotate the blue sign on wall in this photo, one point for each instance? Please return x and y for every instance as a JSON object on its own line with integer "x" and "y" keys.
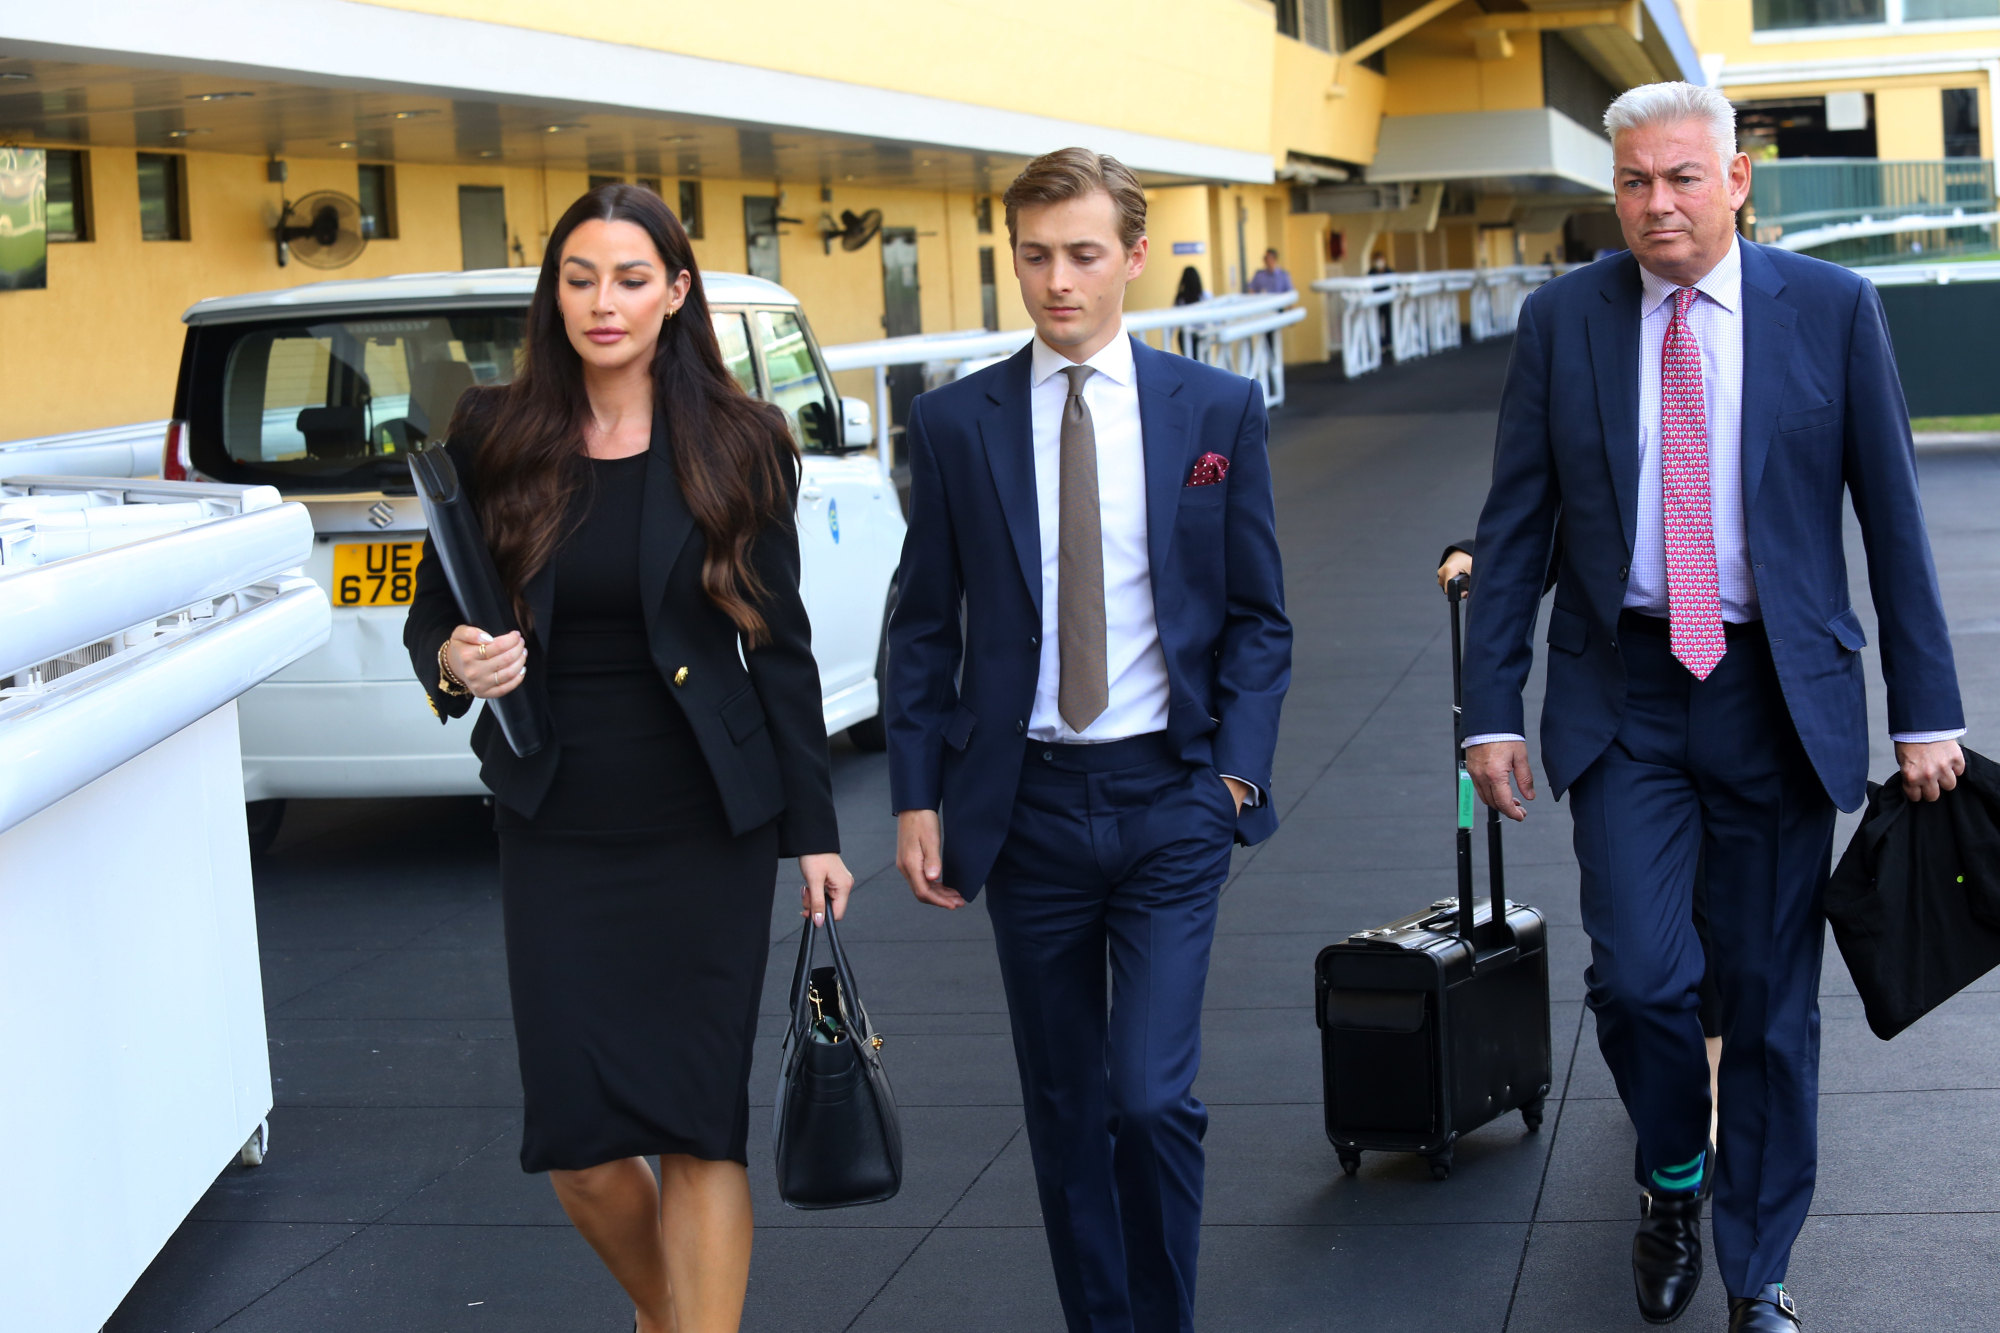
{"x": 1190, "y": 247}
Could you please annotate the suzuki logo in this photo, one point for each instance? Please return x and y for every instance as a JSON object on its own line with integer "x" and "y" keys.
{"x": 381, "y": 514}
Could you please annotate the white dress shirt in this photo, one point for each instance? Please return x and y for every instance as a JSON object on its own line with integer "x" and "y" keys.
{"x": 1716, "y": 319}
{"x": 1135, "y": 664}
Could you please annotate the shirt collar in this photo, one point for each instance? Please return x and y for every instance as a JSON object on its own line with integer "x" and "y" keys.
{"x": 1113, "y": 360}
{"x": 1722, "y": 284}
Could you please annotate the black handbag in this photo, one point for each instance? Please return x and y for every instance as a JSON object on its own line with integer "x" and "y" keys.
{"x": 475, "y": 584}
{"x": 837, "y": 1138}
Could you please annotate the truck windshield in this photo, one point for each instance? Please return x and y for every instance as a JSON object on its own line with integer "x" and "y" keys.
{"x": 336, "y": 402}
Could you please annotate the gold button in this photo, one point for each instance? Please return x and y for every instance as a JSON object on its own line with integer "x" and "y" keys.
{"x": 681, "y": 676}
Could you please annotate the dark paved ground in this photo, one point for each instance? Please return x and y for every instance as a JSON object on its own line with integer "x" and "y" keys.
{"x": 392, "y": 1200}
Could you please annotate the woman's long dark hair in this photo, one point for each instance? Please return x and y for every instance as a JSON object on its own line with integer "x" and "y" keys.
{"x": 733, "y": 454}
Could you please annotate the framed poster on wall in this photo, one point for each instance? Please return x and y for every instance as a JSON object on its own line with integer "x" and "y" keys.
{"x": 24, "y": 224}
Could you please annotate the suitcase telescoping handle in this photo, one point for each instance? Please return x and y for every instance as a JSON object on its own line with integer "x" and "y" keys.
{"x": 1468, "y": 799}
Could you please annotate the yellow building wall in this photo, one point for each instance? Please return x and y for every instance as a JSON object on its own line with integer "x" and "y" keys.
{"x": 1197, "y": 70}
{"x": 1909, "y": 109}
{"x": 1909, "y": 123}
{"x": 1305, "y": 119}
{"x": 101, "y": 345}
{"x": 1433, "y": 70}
{"x": 52, "y": 364}
{"x": 1725, "y": 30}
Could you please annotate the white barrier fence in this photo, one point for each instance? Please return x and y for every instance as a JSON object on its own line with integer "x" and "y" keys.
{"x": 1423, "y": 310}
{"x": 116, "y": 451}
{"x": 136, "y": 1059}
{"x": 1238, "y": 333}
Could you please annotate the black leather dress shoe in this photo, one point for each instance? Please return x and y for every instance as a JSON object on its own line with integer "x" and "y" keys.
{"x": 1769, "y": 1311}
{"x": 1666, "y": 1256}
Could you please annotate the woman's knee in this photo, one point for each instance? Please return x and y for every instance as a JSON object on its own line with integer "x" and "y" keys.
{"x": 593, "y": 1183}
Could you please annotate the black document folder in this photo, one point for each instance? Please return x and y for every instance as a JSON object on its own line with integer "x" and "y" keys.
{"x": 482, "y": 600}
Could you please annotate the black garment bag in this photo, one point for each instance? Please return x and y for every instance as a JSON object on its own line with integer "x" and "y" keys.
{"x": 475, "y": 583}
{"x": 1438, "y": 1022}
{"x": 835, "y": 1131}
{"x": 1915, "y": 902}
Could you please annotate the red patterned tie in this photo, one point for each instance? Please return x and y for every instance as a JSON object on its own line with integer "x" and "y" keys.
{"x": 1694, "y": 606}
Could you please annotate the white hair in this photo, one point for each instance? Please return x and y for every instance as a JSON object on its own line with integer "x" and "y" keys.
{"x": 1674, "y": 104}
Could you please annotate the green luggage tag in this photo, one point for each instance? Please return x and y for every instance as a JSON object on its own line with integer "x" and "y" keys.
{"x": 1465, "y": 794}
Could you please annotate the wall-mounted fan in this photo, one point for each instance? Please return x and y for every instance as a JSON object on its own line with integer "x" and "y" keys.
{"x": 323, "y": 230}
{"x": 852, "y": 231}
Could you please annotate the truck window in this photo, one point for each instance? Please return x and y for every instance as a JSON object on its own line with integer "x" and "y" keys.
{"x": 797, "y": 383}
{"x": 734, "y": 337}
{"x": 335, "y": 403}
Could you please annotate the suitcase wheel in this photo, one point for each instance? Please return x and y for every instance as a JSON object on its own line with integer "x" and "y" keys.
{"x": 1350, "y": 1161}
{"x": 1440, "y": 1165}
{"x": 1531, "y": 1114}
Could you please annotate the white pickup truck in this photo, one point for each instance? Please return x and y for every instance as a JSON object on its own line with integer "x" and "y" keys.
{"x": 322, "y": 390}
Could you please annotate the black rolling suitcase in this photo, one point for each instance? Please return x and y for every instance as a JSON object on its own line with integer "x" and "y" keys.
{"x": 1438, "y": 1022}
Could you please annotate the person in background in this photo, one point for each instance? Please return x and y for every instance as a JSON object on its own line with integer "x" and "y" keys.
{"x": 639, "y": 508}
{"x": 1270, "y": 279}
{"x": 1379, "y": 265}
{"x": 1086, "y": 667}
{"x": 1189, "y": 292}
{"x": 1680, "y": 425}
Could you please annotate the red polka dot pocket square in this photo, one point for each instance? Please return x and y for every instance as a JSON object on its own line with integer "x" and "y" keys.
{"x": 1208, "y": 470}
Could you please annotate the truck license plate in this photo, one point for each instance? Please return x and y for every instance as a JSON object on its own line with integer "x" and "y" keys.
{"x": 375, "y": 573}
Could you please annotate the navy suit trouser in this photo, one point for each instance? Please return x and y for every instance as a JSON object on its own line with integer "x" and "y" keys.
{"x": 1712, "y": 770}
{"x": 1115, "y": 852}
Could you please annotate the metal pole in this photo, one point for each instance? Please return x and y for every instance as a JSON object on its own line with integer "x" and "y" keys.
{"x": 882, "y": 458}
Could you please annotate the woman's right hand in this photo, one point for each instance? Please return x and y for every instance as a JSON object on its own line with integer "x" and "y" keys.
{"x": 491, "y": 668}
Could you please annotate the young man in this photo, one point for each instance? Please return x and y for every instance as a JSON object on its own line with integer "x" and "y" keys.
{"x": 1085, "y": 669}
{"x": 1679, "y": 425}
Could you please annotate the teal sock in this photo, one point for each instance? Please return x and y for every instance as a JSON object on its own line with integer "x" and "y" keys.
{"x": 1682, "y": 1179}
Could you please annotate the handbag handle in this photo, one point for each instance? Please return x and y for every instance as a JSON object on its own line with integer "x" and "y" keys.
{"x": 802, "y": 978}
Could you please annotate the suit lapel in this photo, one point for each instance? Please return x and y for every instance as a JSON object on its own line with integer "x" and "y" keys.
{"x": 663, "y": 524}
{"x": 1768, "y": 332}
{"x": 1614, "y": 360}
{"x": 1163, "y": 428}
{"x": 1007, "y": 434}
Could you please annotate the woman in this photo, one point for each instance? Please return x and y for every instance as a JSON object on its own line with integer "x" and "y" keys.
{"x": 639, "y": 508}
{"x": 1190, "y": 292}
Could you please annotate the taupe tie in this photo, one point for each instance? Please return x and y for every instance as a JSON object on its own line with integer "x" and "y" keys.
{"x": 1081, "y": 692}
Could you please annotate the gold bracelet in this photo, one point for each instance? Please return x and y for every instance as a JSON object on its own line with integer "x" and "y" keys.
{"x": 448, "y": 680}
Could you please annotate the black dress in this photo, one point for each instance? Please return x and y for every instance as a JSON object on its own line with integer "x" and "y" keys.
{"x": 637, "y": 927}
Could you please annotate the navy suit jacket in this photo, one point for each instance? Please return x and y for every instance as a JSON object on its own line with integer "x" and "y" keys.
{"x": 1823, "y": 413}
{"x": 964, "y": 643}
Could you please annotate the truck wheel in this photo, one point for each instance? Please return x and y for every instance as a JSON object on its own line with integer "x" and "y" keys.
{"x": 872, "y": 736}
{"x": 264, "y": 819}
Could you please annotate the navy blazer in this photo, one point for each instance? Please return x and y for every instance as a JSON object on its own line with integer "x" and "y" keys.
{"x": 1823, "y": 413}
{"x": 964, "y": 643}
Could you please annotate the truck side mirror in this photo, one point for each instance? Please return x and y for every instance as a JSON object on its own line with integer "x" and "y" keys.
{"x": 857, "y": 423}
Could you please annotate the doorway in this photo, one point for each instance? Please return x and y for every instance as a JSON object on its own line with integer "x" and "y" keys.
{"x": 760, "y": 234}
{"x": 902, "y": 315}
{"x": 482, "y": 225}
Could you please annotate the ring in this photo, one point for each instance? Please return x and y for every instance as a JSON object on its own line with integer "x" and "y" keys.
{"x": 482, "y": 652}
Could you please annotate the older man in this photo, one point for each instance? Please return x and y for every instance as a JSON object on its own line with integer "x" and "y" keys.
{"x": 1686, "y": 418}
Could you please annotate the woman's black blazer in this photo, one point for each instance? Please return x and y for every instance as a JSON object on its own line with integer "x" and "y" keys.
{"x": 757, "y": 715}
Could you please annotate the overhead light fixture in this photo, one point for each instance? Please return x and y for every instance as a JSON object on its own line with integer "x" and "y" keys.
{"x": 489, "y": 152}
{"x": 218, "y": 97}
{"x": 411, "y": 114}
{"x": 678, "y": 138}
{"x": 343, "y": 143}
{"x": 563, "y": 128}
{"x": 10, "y": 75}
{"x": 926, "y": 162}
{"x": 184, "y": 134}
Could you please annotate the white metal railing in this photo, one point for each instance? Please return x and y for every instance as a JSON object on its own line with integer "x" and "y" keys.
{"x": 128, "y": 936}
{"x": 1423, "y": 310}
{"x": 115, "y": 451}
{"x": 1223, "y": 332}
